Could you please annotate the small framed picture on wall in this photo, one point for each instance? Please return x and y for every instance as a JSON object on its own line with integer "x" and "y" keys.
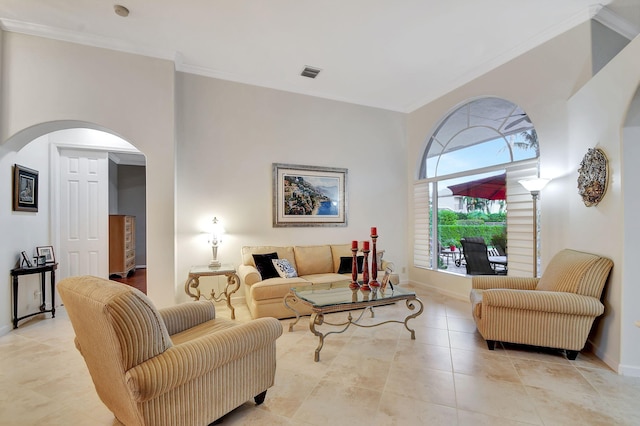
{"x": 25, "y": 189}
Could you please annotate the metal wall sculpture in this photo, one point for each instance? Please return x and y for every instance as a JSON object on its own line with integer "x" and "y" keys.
{"x": 592, "y": 177}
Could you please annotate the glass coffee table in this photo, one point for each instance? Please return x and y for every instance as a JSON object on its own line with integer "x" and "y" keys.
{"x": 323, "y": 299}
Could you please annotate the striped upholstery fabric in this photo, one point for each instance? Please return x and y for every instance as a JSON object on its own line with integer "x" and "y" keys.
{"x": 556, "y": 311}
{"x": 175, "y": 366}
{"x": 575, "y": 272}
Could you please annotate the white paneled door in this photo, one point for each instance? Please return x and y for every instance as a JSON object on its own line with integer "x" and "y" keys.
{"x": 84, "y": 213}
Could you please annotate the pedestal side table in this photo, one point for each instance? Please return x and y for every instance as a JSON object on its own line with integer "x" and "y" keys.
{"x": 191, "y": 287}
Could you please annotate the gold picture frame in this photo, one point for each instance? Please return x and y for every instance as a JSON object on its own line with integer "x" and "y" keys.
{"x": 309, "y": 196}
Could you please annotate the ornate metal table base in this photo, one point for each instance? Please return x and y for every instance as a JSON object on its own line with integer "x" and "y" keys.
{"x": 317, "y": 317}
{"x": 191, "y": 286}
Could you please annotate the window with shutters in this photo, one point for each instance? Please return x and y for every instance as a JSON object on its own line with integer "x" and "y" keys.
{"x": 468, "y": 186}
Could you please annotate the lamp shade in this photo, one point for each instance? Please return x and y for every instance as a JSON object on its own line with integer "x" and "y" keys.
{"x": 216, "y": 231}
{"x": 534, "y": 185}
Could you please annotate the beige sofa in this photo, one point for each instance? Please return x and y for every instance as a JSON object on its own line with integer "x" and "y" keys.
{"x": 318, "y": 264}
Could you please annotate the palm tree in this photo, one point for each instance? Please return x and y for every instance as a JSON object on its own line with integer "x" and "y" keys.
{"x": 530, "y": 140}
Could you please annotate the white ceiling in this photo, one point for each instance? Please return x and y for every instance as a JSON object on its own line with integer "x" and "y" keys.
{"x": 391, "y": 54}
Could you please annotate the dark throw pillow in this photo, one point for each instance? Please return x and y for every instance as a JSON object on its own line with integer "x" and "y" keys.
{"x": 345, "y": 264}
{"x": 265, "y": 266}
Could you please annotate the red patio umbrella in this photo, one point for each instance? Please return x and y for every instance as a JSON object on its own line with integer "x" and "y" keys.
{"x": 490, "y": 188}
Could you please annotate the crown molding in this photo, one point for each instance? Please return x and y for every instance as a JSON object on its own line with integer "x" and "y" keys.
{"x": 128, "y": 159}
{"x": 617, "y": 23}
{"x": 84, "y": 39}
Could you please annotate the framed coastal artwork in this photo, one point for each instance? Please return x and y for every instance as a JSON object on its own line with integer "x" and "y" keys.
{"x": 309, "y": 196}
{"x": 25, "y": 189}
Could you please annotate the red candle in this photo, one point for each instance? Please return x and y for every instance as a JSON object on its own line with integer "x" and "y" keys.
{"x": 365, "y": 245}
{"x": 374, "y": 230}
{"x": 354, "y": 244}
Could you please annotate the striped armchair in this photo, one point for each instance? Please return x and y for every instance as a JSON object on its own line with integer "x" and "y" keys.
{"x": 174, "y": 366}
{"x": 556, "y": 310}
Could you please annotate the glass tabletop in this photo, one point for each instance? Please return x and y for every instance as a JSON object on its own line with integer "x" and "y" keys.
{"x": 225, "y": 268}
{"x": 323, "y": 295}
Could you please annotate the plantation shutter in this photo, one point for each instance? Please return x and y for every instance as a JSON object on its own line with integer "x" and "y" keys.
{"x": 520, "y": 221}
{"x": 421, "y": 246}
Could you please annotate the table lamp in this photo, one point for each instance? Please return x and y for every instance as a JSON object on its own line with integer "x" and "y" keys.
{"x": 216, "y": 238}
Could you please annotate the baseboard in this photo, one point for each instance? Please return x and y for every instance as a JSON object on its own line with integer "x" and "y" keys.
{"x": 629, "y": 370}
{"x": 440, "y": 290}
{"x": 5, "y": 329}
{"x": 623, "y": 370}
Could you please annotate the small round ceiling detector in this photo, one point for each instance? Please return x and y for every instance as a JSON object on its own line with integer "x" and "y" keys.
{"x": 121, "y": 10}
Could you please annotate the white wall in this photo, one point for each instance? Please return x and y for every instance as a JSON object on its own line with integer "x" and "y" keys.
{"x": 23, "y": 231}
{"x": 598, "y": 112}
{"x": 59, "y": 84}
{"x": 230, "y": 134}
{"x": 630, "y": 312}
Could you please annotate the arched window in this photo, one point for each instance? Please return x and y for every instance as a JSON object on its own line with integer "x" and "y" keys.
{"x": 467, "y": 186}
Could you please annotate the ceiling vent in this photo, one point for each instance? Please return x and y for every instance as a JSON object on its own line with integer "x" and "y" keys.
{"x": 310, "y": 72}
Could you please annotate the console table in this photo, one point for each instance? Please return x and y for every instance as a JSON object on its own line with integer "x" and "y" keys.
{"x": 42, "y": 270}
{"x": 228, "y": 270}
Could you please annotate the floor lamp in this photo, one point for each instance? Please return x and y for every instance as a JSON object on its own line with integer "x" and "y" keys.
{"x": 534, "y": 186}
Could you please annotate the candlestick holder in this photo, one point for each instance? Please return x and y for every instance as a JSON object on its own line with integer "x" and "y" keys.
{"x": 354, "y": 270}
{"x": 365, "y": 271}
{"x": 374, "y": 263}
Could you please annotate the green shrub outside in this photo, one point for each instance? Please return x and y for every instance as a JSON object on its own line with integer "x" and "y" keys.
{"x": 447, "y": 233}
{"x": 447, "y": 217}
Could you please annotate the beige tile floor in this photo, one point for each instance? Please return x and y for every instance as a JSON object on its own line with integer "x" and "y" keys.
{"x": 366, "y": 376}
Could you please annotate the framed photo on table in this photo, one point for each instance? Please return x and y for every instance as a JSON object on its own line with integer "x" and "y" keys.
{"x": 25, "y": 189}
{"x": 309, "y": 196}
{"x": 25, "y": 261}
{"x": 47, "y": 252}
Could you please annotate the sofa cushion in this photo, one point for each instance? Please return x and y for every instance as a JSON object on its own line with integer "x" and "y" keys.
{"x": 313, "y": 259}
{"x": 284, "y": 268}
{"x": 339, "y": 279}
{"x": 283, "y": 253}
{"x": 338, "y": 251}
{"x": 265, "y": 266}
{"x": 346, "y": 264}
{"x": 276, "y": 288}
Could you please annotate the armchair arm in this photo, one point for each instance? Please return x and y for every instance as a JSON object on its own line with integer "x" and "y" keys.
{"x": 543, "y": 301}
{"x": 186, "y": 315}
{"x": 182, "y": 363}
{"x": 485, "y": 282}
{"x": 249, "y": 274}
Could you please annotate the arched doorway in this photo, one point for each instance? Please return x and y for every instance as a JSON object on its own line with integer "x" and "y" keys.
{"x": 41, "y": 145}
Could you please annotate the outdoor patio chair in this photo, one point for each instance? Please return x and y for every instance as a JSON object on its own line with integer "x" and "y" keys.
{"x": 475, "y": 254}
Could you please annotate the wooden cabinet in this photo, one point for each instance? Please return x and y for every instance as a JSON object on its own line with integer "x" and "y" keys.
{"x": 122, "y": 244}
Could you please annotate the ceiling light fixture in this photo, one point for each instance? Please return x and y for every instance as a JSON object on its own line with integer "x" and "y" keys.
{"x": 121, "y": 10}
{"x": 310, "y": 72}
